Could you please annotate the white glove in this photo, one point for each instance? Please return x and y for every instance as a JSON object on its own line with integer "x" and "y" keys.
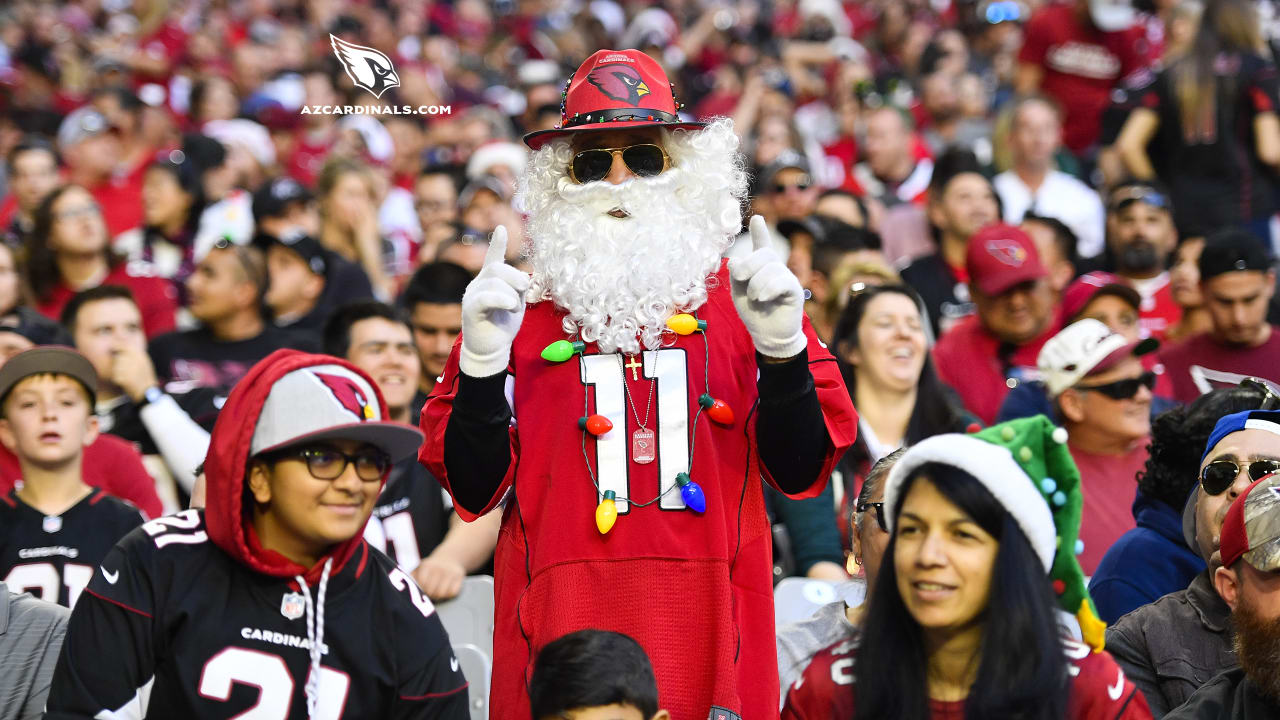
{"x": 492, "y": 310}
{"x": 768, "y": 296}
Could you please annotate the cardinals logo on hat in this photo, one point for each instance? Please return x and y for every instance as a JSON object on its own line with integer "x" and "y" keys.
{"x": 619, "y": 82}
{"x": 1007, "y": 251}
{"x": 348, "y": 394}
{"x": 368, "y": 68}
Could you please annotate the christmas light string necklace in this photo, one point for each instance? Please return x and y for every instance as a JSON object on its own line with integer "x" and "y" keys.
{"x": 692, "y": 494}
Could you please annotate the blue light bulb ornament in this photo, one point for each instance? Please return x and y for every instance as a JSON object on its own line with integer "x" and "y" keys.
{"x": 692, "y": 493}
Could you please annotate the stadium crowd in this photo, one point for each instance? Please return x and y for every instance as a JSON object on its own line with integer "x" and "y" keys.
{"x": 997, "y": 211}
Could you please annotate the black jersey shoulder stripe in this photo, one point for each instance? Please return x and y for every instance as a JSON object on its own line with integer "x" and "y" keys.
{"x": 117, "y": 602}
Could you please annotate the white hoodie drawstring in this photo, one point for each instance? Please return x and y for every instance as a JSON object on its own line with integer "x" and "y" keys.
{"x": 315, "y": 633}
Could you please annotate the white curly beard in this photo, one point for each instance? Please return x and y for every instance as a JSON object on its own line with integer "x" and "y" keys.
{"x": 619, "y": 279}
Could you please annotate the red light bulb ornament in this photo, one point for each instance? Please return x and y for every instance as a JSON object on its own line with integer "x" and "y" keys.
{"x": 685, "y": 324}
{"x": 607, "y": 512}
{"x": 717, "y": 410}
{"x": 595, "y": 424}
{"x": 561, "y": 350}
{"x": 692, "y": 493}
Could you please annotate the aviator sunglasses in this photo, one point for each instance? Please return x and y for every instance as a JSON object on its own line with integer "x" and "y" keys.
{"x": 643, "y": 159}
{"x": 1123, "y": 389}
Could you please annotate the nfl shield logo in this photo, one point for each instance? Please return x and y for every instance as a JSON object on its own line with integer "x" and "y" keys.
{"x": 292, "y": 605}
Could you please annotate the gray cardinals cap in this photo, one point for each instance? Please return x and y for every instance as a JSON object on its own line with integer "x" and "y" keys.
{"x": 328, "y": 402}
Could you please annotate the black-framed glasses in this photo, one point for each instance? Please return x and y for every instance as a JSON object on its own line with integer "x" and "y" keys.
{"x": 862, "y": 507}
{"x": 1123, "y": 389}
{"x": 1219, "y": 475}
{"x": 327, "y": 463}
{"x": 1270, "y": 400}
{"x": 643, "y": 159}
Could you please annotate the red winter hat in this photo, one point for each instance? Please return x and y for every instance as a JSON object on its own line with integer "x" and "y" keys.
{"x": 615, "y": 89}
{"x": 1000, "y": 256}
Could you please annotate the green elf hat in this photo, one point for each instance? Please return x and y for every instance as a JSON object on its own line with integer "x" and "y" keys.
{"x": 1025, "y": 464}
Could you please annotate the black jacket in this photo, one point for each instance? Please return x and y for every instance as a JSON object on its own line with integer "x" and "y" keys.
{"x": 1230, "y": 696}
{"x": 1175, "y": 645}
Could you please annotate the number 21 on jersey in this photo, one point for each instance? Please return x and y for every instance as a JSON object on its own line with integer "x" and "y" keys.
{"x": 669, "y": 369}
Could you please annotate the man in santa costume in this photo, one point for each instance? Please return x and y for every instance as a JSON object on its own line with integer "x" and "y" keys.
{"x": 623, "y": 403}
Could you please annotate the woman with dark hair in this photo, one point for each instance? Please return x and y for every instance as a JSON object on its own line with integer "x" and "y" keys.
{"x": 1212, "y": 115}
{"x": 68, "y": 251}
{"x": 1153, "y": 560}
{"x": 882, "y": 344}
{"x": 965, "y": 619}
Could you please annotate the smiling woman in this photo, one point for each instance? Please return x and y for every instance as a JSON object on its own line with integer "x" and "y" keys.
{"x": 965, "y": 600}
{"x": 883, "y": 350}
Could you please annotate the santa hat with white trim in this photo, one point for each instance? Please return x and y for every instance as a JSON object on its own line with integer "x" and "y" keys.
{"x": 1026, "y": 466}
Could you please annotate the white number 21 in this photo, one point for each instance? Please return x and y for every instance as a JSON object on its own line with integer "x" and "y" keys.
{"x": 668, "y": 369}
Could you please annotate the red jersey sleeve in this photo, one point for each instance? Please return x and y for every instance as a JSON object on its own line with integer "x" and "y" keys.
{"x": 1035, "y": 41}
{"x": 115, "y": 465}
{"x": 825, "y": 689}
{"x": 1099, "y": 688}
{"x": 434, "y": 422}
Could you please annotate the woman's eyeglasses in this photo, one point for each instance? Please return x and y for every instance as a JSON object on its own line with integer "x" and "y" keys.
{"x": 862, "y": 507}
{"x": 643, "y": 159}
{"x": 1219, "y": 475}
{"x": 1123, "y": 389}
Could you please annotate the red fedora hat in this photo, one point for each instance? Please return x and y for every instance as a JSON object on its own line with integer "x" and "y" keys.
{"x": 615, "y": 89}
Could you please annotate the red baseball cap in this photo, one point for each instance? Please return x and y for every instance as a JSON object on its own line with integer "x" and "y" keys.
{"x": 1085, "y": 288}
{"x": 1251, "y": 528}
{"x": 1000, "y": 256}
{"x": 615, "y": 89}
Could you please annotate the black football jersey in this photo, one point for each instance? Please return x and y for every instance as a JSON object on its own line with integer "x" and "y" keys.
{"x": 412, "y": 513}
{"x": 53, "y": 556}
{"x": 173, "y": 627}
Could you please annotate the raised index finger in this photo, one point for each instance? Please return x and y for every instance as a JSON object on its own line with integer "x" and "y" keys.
{"x": 759, "y": 233}
{"x": 497, "y": 252}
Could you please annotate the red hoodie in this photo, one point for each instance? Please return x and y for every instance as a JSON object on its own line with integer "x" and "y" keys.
{"x": 224, "y": 468}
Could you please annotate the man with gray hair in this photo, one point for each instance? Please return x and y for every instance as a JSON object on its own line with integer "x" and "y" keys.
{"x": 838, "y": 622}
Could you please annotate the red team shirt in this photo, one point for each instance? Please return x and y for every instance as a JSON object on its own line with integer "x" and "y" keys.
{"x": 1081, "y": 65}
{"x": 1099, "y": 689}
{"x": 695, "y": 590}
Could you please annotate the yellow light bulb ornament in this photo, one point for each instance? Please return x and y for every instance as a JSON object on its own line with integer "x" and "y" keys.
{"x": 685, "y": 324}
{"x": 607, "y": 512}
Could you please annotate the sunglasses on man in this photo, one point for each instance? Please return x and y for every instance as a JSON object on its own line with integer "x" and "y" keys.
{"x": 644, "y": 159}
{"x": 1123, "y": 389}
{"x": 1219, "y": 475}
{"x": 862, "y": 507}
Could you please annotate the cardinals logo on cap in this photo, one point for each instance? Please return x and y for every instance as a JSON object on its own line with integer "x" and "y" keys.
{"x": 619, "y": 82}
{"x": 348, "y": 394}
{"x": 367, "y": 68}
{"x": 1007, "y": 251}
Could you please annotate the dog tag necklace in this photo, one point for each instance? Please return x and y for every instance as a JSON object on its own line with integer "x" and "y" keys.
{"x": 643, "y": 445}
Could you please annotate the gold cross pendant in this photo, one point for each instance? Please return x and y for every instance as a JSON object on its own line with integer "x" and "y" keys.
{"x": 634, "y": 364}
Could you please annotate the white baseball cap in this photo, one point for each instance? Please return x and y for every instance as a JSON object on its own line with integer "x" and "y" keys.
{"x": 1083, "y": 348}
{"x": 328, "y": 402}
{"x": 1112, "y": 15}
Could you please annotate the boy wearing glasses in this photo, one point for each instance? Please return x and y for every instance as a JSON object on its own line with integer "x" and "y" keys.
{"x": 1102, "y": 394}
{"x": 269, "y": 601}
{"x": 1172, "y": 647}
